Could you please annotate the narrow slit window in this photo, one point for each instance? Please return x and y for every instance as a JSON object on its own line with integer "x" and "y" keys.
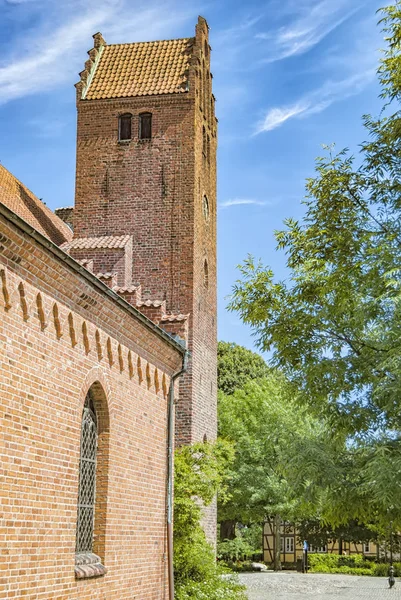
{"x": 145, "y": 126}
{"x": 124, "y": 127}
{"x": 205, "y": 274}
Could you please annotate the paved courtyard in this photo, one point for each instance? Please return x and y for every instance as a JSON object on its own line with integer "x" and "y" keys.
{"x": 296, "y": 586}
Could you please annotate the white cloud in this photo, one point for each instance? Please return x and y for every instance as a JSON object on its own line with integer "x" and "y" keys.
{"x": 316, "y": 101}
{"x": 241, "y": 202}
{"x": 56, "y": 51}
{"x": 314, "y": 21}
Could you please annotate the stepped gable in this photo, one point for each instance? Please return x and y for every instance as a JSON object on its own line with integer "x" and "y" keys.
{"x": 18, "y": 198}
{"x": 138, "y": 69}
{"x": 108, "y": 255}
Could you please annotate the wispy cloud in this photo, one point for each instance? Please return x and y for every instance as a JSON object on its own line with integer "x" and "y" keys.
{"x": 55, "y": 52}
{"x": 316, "y": 101}
{"x": 241, "y": 202}
{"x": 314, "y": 21}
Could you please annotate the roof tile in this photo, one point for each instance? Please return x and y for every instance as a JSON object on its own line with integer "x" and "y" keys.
{"x": 105, "y": 241}
{"x": 18, "y": 198}
{"x": 141, "y": 69}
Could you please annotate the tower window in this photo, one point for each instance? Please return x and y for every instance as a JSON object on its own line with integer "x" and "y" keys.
{"x": 205, "y": 208}
{"x": 205, "y": 274}
{"x": 145, "y": 126}
{"x": 204, "y": 145}
{"x": 124, "y": 127}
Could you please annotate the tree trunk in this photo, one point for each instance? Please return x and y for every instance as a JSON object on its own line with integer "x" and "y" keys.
{"x": 227, "y": 530}
{"x": 277, "y": 540}
{"x": 340, "y": 546}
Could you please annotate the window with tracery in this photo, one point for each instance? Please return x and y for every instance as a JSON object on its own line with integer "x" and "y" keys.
{"x": 87, "y": 478}
{"x": 87, "y": 563}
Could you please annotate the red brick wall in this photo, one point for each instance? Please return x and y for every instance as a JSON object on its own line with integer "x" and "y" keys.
{"x": 46, "y": 370}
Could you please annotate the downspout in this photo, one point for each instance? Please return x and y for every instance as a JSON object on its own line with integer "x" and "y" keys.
{"x": 170, "y": 476}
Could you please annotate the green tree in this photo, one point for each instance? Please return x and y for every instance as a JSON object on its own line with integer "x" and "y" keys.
{"x": 334, "y": 326}
{"x": 265, "y": 424}
{"x": 237, "y": 365}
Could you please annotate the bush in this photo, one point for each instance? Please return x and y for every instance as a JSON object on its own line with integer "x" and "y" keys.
{"x": 212, "y": 589}
{"x": 199, "y": 473}
{"x": 354, "y": 564}
{"x": 233, "y": 550}
{"x": 382, "y": 569}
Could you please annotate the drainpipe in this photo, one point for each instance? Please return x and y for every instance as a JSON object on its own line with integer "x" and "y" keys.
{"x": 170, "y": 476}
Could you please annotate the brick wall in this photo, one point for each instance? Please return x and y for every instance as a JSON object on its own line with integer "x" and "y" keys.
{"x": 59, "y": 335}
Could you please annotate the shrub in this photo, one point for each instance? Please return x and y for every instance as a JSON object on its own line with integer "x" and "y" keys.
{"x": 382, "y": 569}
{"x": 199, "y": 473}
{"x": 354, "y": 564}
{"x": 233, "y": 550}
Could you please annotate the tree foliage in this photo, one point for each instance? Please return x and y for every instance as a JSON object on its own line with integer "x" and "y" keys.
{"x": 334, "y": 326}
{"x": 237, "y": 365}
{"x": 265, "y": 425}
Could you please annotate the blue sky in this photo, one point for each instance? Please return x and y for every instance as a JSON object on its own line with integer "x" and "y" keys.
{"x": 289, "y": 76}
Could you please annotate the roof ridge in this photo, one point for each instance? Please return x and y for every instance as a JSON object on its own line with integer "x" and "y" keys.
{"x": 152, "y": 41}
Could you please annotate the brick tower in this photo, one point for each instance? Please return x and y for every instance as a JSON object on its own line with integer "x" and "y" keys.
{"x": 145, "y": 205}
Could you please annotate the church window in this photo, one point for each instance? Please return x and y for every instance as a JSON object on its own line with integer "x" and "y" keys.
{"x": 124, "y": 127}
{"x": 145, "y": 126}
{"x": 87, "y": 478}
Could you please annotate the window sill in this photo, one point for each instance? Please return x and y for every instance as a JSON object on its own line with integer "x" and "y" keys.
{"x": 123, "y": 142}
{"x": 88, "y": 565}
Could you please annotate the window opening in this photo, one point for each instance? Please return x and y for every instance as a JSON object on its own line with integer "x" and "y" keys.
{"x": 145, "y": 126}
{"x": 205, "y": 207}
{"x": 124, "y": 127}
{"x": 289, "y": 544}
{"x": 206, "y": 274}
{"x": 87, "y": 478}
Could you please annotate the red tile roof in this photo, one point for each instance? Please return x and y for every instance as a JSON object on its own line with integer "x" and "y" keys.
{"x": 141, "y": 69}
{"x": 18, "y": 198}
{"x": 105, "y": 241}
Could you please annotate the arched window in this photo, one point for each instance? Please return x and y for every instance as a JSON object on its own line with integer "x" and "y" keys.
{"x": 124, "y": 127}
{"x": 145, "y": 126}
{"x": 87, "y": 478}
{"x": 91, "y": 510}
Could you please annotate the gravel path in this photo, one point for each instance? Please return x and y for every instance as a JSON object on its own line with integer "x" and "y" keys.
{"x": 297, "y": 586}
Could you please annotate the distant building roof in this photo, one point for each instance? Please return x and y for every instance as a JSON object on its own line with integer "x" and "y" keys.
{"x": 18, "y": 198}
{"x": 140, "y": 69}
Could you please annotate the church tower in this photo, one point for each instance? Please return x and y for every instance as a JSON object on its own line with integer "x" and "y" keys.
{"x": 145, "y": 205}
